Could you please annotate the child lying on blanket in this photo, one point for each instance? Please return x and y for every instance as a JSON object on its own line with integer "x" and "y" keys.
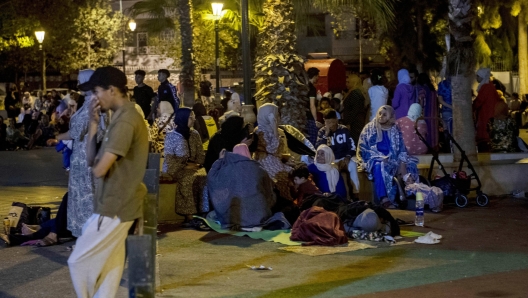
{"x": 433, "y": 196}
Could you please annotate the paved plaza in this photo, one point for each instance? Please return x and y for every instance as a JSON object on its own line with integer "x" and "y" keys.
{"x": 484, "y": 253}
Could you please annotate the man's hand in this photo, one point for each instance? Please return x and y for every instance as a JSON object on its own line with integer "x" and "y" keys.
{"x": 95, "y": 110}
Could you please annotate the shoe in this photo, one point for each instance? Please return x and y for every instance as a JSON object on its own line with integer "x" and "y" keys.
{"x": 427, "y": 239}
{"x": 434, "y": 235}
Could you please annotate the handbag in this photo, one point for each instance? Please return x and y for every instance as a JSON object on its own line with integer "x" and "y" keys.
{"x": 20, "y": 213}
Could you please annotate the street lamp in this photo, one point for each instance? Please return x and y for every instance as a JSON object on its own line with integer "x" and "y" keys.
{"x": 40, "y": 38}
{"x": 132, "y": 27}
{"x": 217, "y": 13}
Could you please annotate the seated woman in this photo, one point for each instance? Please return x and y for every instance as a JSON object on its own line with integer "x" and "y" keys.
{"x": 232, "y": 132}
{"x": 241, "y": 192}
{"x": 413, "y": 143}
{"x": 502, "y": 130}
{"x": 272, "y": 148}
{"x": 184, "y": 157}
{"x": 325, "y": 173}
{"x": 204, "y": 124}
{"x": 381, "y": 153}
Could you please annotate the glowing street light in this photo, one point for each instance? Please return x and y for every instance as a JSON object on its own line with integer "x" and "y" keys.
{"x": 40, "y": 38}
{"x": 132, "y": 25}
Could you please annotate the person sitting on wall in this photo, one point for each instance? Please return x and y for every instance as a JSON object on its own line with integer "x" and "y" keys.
{"x": 338, "y": 138}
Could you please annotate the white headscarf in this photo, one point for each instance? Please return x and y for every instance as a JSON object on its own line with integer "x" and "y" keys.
{"x": 268, "y": 119}
{"x": 485, "y": 74}
{"x": 84, "y": 75}
{"x": 403, "y": 76}
{"x": 332, "y": 174}
{"x": 415, "y": 111}
{"x": 166, "y": 108}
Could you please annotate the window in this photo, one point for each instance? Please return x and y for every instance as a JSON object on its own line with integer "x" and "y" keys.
{"x": 167, "y": 35}
{"x": 142, "y": 44}
{"x": 317, "y": 25}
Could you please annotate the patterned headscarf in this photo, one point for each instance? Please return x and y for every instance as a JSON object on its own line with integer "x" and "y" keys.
{"x": 268, "y": 119}
{"x": 485, "y": 74}
{"x": 388, "y": 124}
{"x": 181, "y": 120}
{"x": 330, "y": 169}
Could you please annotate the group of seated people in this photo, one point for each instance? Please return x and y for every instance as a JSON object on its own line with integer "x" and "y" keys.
{"x": 246, "y": 174}
{"x": 40, "y": 119}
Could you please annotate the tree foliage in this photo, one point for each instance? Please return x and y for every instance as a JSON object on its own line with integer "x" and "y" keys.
{"x": 79, "y": 34}
{"x": 279, "y": 71}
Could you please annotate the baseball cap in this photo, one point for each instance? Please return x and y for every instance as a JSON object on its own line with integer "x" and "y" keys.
{"x": 105, "y": 76}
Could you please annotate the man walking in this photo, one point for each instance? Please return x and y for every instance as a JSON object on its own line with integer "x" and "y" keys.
{"x": 143, "y": 94}
{"x": 167, "y": 91}
{"x": 96, "y": 264}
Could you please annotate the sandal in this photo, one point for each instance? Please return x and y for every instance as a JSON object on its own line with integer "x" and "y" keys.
{"x": 46, "y": 241}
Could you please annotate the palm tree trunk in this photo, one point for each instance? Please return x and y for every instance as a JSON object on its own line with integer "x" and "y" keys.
{"x": 522, "y": 52}
{"x": 187, "y": 63}
{"x": 461, "y": 66}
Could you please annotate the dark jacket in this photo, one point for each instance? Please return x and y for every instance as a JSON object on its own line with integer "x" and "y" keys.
{"x": 167, "y": 92}
{"x": 340, "y": 141}
{"x": 231, "y": 133}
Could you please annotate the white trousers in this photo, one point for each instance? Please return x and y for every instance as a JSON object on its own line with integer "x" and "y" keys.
{"x": 97, "y": 262}
{"x": 352, "y": 170}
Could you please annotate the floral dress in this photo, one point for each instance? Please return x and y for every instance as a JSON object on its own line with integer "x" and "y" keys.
{"x": 81, "y": 185}
{"x": 191, "y": 194}
{"x": 158, "y": 137}
{"x": 269, "y": 154}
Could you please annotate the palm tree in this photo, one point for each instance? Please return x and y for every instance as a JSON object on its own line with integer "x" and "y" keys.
{"x": 162, "y": 13}
{"x": 461, "y": 66}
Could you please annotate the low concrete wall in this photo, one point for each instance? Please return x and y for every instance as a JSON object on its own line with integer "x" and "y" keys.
{"x": 166, "y": 204}
{"x": 499, "y": 173}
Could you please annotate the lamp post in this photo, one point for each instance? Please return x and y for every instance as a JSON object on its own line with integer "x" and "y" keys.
{"x": 246, "y": 58}
{"x": 217, "y": 13}
{"x": 132, "y": 27}
{"x": 40, "y": 38}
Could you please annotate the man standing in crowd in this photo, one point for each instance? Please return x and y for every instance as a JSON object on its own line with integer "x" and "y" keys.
{"x": 311, "y": 111}
{"x": 167, "y": 91}
{"x": 143, "y": 94}
{"x": 96, "y": 265}
{"x": 338, "y": 138}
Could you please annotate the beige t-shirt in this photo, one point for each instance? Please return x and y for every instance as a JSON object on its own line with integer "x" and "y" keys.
{"x": 121, "y": 191}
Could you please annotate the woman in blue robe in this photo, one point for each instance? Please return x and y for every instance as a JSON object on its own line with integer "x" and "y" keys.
{"x": 382, "y": 154}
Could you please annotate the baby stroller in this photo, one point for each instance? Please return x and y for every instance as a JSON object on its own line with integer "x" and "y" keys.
{"x": 457, "y": 186}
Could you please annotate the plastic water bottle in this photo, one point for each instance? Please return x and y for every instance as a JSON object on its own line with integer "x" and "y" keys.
{"x": 419, "y": 219}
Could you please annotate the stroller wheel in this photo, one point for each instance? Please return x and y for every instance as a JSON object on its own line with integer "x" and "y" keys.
{"x": 461, "y": 200}
{"x": 482, "y": 200}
